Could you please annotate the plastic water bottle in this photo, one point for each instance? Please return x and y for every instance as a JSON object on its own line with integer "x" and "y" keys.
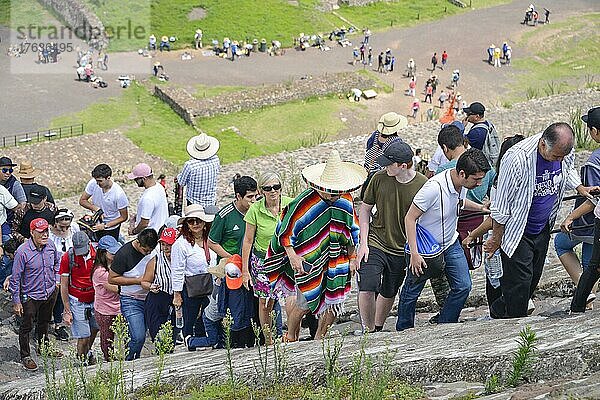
{"x": 178, "y": 317}
{"x": 493, "y": 268}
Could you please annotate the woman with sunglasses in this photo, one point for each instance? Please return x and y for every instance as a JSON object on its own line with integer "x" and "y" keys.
{"x": 61, "y": 234}
{"x": 190, "y": 256}
{"x": 261, "y": 220}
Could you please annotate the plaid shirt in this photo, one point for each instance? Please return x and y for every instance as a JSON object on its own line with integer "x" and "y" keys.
{"x": 200, "y": 179}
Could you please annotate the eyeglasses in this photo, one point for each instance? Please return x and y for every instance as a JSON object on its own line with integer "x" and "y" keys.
{"x": 194, "y": 221}
{"x": 270, "y": 188}
{"x": 63, "y": 242}
{"x": 65, "y": 219}
{"x": 7, "y": 170}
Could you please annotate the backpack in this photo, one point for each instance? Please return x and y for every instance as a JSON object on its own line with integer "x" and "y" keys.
{"x": 71, "y": 255}
{"x": 491, "y": 146}
{"x": 584, "y": 234}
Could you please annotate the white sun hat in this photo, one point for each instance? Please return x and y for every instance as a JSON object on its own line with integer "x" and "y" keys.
{"x": 335, "y": 176}
{"x": 202, "y": 146}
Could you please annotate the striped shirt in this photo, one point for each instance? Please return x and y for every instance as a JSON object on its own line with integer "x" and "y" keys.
{"x": 34, "y": 271}
{"x": 200, "y": 179}
{"x": 162, "y": 273}
{"x": 516, "y": 184}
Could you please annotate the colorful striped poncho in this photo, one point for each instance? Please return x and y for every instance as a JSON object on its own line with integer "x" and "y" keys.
{"x": 320, "y": 233}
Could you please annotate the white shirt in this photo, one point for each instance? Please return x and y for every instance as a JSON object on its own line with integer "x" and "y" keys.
{"x": 188, "y": 260}
{"x": 59, "y": 240}
{"x": 429, "y": 200}
{"x": 437, "y": 159}
{"x": 7, "y": 201}
{"x": 153, "y": 207}
{"x": 137, "y": 291}
{"x": 110, "y": 201}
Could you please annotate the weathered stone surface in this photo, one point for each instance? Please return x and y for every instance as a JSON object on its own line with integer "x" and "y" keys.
{"x": 568, "y": 348}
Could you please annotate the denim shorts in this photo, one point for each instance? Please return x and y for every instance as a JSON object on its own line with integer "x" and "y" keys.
{"x": 81, "y": 327}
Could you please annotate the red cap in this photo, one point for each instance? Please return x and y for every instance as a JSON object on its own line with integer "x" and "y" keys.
{"x": 38, "y": 224}
{"x": 168, "y": 236}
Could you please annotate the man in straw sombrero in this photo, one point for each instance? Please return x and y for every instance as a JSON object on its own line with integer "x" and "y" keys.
{"x": 312, "y": 252}
{"x": 199, "y": 174}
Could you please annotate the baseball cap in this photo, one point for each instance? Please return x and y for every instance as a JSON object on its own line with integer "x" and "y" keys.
{"x": 38, "y": 224}
{"x": 81, "y": 243}
{"x": 397, "y": 152}
{"x": 233, "y": 272}
{"x": 458, "y": 124}
{"x": 6, "y": 162}
{"x": 168, "y": 236}
{"x": 109, "y": 244}
{"x": 592, "y": 118}
{"x": 141, "y": 170}
{"x": 36, "y": 194}
{"x": 475, "y": 109}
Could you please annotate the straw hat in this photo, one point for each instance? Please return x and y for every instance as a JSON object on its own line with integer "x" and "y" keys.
{"x": 198, "y": 30}
{"x": 27, "y": 171}
{"x": 157, "y": 63}
{"x": 391, "y": 122}
{"x": 202, "y": 146}
{"x": 164, "y": 39}
{"x": 335, "y": 176}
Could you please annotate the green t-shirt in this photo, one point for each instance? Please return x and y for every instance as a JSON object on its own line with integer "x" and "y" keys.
{"x": 228, "y": 229}
{"x": 265, "y": 222}
{"x": 392, "y": 200}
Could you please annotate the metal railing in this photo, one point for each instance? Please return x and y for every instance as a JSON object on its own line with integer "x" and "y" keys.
{"x": 42, "y": 135}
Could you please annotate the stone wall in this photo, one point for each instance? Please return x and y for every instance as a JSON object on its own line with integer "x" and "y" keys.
{"x": 178, "y": 99}
{"x": 189, "y": 108}
{"x": 78, "y": 17}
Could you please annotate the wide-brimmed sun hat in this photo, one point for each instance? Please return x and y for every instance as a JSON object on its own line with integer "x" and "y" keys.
{"x": 389, "y": 123}
{"x": 27, "y": 171}
{"x": 206, "y": 214}
{"x": 335, "y": 176}
{"x": 202, "y": 146}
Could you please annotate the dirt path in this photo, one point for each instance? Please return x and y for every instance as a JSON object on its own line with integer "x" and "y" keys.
{"x": 45, "y": 95}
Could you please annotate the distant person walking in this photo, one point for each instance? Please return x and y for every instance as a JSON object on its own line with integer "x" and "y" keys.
{"x": 415, "y": 107}
{"x": 434, "y": 61}
{"x": 444, "y": 59}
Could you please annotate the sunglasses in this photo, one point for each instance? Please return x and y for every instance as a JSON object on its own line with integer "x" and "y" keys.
{"x": 60, "y": 219}
{"x": 7, "y": 170}
{"x": 63, "y": 242}
{"x": 270, "y": 188}
{"x": 194, "y": 221}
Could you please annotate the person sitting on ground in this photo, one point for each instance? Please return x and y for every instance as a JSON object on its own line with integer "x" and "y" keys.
{"x": 164, "y": 44}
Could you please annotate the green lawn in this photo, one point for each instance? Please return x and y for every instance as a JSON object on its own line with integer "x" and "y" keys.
{"x": 22, "y": 13}
{"x": 565, "y": 58}
{"x": 153, "y": 126}
{"x": 250, "y": 19}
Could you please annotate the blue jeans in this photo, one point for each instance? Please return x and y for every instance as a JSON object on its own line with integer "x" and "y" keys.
{"x": 214, "y": 335}
{"x": 133, "y": 311}
{"x": 564, "y": 244}
{"x": 457, "y": 273}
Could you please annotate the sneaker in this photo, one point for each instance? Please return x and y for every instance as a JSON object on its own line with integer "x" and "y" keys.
{"x": 530, "y": 307}
{"x": 186, "y": 341}
{"x": 29, "y": 364}
{"x": 590, "y": 298}
{"x": 179, "y": 340}
{"x": 434, "y": 320}
{"x": 61, "y": 333}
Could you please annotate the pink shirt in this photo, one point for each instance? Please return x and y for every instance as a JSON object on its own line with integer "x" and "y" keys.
{"x": 105, "y": 301}
{"x": 412, "y": 84}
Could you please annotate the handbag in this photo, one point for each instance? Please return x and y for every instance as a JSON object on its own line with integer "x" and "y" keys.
{"x": 431, "y": 251}
{"x": 200, "y": 285}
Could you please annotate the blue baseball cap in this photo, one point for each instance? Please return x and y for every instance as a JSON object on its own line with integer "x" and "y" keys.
{"x": 109, "y": 244}
{"x": 458, "y": 124}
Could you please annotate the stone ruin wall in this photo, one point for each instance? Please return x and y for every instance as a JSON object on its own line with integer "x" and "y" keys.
{"x": 189, "y": 107}
{"x": 76, "y": 15}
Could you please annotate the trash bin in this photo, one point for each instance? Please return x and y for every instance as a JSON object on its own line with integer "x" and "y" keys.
{"x": 263, "y": 45}
{"x": 255, "y": 45}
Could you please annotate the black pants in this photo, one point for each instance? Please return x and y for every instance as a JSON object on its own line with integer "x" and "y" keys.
{"x": 41, "y": 312}
{"x": 109, "y": 232}
{"x": 590, "y": 274}
{"x": 522, "y": 273}
{"x": 158, "y": 309}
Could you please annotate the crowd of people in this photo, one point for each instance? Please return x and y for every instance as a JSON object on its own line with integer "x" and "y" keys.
{"x": 417, "y": 222}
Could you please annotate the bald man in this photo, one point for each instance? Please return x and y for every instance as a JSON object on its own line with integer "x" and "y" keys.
{"x": 533, "y": 178}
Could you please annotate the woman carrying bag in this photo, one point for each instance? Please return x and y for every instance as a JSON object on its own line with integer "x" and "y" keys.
{"x": 190, "y": 259}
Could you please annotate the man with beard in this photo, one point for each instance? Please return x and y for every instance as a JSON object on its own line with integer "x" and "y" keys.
{"x": 153, "y": 209}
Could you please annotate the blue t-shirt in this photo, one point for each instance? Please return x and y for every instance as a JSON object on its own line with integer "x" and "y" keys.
{"x": 478, "y": 194}
{"x": 477, "y": 135}
{"x": 548, "y": 175}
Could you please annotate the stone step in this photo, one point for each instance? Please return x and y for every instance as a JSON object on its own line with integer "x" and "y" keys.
{"x": 568, "y": 348}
